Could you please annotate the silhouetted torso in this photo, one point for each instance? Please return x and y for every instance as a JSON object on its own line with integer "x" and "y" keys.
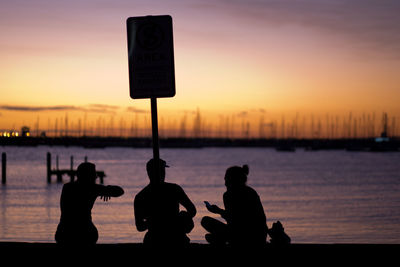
{"x": 76, "y": 203}
{"x": 157, "y": 209}
{"x": 246, "y": 223}
{"x": 245, "y": 216}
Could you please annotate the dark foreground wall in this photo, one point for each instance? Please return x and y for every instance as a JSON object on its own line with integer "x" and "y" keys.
{"x": 49, "y": 254}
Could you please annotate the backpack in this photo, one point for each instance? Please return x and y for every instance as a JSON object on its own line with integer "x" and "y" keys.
{"x": 277, "y": 234}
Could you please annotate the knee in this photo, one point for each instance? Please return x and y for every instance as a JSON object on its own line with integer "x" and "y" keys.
{"x": 207, "y": 222}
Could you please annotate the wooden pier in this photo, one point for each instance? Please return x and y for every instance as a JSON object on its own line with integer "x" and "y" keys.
{"x": 70, "y": 172}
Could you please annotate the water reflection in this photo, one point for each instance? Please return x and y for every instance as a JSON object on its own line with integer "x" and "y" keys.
{"x": 320, "y": 197}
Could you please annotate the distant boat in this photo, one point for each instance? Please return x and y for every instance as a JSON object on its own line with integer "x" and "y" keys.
{"x": 286, "y": 147}
{"x": 384, "y": 143}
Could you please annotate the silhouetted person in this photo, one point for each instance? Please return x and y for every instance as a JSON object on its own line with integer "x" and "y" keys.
{"x": 76, "y": 203}
{"x": 156, "y": 210}
{"x": 246, "y": 223}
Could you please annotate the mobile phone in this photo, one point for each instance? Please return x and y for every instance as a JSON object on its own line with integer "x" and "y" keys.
{"x": 208, "y": 205}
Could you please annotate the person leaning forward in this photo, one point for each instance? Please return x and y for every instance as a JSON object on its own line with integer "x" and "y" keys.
{"x": 77, "y": 199}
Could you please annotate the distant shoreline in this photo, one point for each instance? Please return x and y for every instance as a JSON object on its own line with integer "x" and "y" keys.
{"x": 359, "y": 144}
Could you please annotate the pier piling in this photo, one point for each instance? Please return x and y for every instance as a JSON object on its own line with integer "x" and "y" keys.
{"x": 48, "y": 167}
{"x": 71, "y": 172}
{"x": 3, "y": 168}
{"x": 58, "y": 174}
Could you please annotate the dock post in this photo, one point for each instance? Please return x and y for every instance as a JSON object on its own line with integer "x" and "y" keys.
{"x": 3, "y": 167}
{"x": 48, "y": 167}
{"x": 72, "y": 176}
{"x": 101, "y": 176}
{"x": 85, "y": 158}
{"x": 59, "y": 175}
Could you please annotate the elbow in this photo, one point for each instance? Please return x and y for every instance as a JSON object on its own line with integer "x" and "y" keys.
{"x": 115, "y": 191}
{"x": 120, "y": 192}
{"x": 192, "y": 211}
{"x": 141, "y": 226}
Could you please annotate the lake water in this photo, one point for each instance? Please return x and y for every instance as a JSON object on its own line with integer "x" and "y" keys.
{"x": 319, "y": 196}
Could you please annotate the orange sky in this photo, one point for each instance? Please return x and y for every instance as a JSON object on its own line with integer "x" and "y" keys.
{"x": 248, "y": 60}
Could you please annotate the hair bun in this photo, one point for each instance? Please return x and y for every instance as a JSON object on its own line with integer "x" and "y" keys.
{"x": 245, "y": 169}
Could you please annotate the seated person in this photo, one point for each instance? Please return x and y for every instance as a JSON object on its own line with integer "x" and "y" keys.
{"x": 156, "y": 209}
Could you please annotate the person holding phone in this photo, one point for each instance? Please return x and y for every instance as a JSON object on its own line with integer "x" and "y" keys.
{"x": 246, "y": 223}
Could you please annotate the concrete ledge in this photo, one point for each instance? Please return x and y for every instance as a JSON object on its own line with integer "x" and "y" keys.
{"x": 204, "y": 254}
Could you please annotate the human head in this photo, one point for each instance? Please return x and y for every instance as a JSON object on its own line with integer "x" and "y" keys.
{"x": 151, "y": 170}
{"x": 86, "y": 173}
{"x": 236, "y": 176}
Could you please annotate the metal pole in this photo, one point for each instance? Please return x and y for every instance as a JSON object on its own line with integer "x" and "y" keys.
{"x": 3, "y": 167}
{"x": 154, "y": 127}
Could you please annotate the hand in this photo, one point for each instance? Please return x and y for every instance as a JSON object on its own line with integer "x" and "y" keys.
{"x": 214, "y": 209}
{"x": 105, "y": 198}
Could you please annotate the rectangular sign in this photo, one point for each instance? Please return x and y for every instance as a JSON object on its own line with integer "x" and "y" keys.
{"x": 151, "y": 57}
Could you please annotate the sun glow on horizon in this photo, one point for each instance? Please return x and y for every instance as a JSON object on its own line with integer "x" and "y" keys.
{"x": 231, "y": 62}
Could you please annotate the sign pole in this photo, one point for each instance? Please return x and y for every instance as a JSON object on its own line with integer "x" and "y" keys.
{"x": 151, "y": 65}
{"x": 154, "y": 128}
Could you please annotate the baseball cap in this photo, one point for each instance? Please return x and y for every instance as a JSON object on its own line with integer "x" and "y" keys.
{"x": 150, "y": 164}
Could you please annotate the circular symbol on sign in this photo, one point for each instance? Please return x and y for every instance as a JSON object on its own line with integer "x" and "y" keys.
{"x": 150, "y": 36}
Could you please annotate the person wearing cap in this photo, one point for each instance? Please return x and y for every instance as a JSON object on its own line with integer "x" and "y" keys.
{"x": 77, "y": 199}
{"x": 156, "y": 209}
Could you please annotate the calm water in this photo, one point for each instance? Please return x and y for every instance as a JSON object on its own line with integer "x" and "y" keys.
{"x": 320, "y": 197}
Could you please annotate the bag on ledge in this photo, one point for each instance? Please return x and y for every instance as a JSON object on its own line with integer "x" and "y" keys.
{"x": 278, "y": 235}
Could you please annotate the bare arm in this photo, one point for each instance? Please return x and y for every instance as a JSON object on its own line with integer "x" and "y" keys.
{"x": 140, "y": 220}
{"x": 217, "y": 210}
{"x": 114, "y": 191}
{"x": 106, "y": 192}
{"x": 188, "y": 204}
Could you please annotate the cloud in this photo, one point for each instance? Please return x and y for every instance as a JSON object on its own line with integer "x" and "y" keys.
{"x": 136, "y": 110}
{"x": 102, "y": 108}
{"x": 372, "y": 24}
{"x": 39, "y": 108}
{"x": 95, "y": 108}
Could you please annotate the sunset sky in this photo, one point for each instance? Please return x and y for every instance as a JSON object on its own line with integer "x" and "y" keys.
{"x": 234, "y": 59}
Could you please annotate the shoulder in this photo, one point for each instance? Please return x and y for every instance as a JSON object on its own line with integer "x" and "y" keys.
{"x": 250, "y": 190}
{"x": 142, "y": 192}
{"x": 173, "y": 186}
{"x": 227, "y": 196}
{"x": 145, "y": 193}
{"x": 69, "y": 186}
{"x": 99, "y": 186}
{"x": 251, "y": 193}
{"x": 96, "y": 188}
